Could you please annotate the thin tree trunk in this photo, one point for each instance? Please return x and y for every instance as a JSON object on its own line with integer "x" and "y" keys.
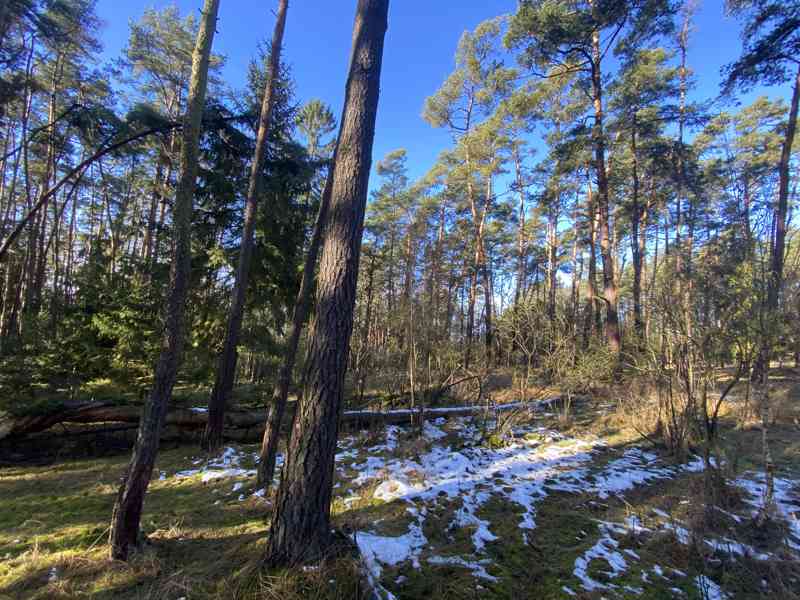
{"x": 280, "y": 394}
{"x": 552, "y": 257}
{"x": 226, "y": 369}
{"x": 155, "y": 199}
{"x": 577, "y": 274}
{"x": 126, "y": 516}
{"x": 470, "y": 325}
{"x": 301, "y": 528}
{"x": 365, "y": 338}
{"x": 773, "y": 293}
{"x": 486, "y": 272}
{"x": 521, "y": 246}
{"x": 635, "y": 239}
{"x": 591, "y": 276}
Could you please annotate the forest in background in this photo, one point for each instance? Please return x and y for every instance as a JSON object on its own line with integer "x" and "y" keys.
{"x": 589, "y": 229}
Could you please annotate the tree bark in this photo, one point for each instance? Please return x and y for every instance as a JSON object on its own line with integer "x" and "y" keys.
{"x": 521, "y": 245}
{"x": 126, "y": 516}
{"x": 598, "y": 135}
{"x": 552, "y": 258}
{"x": 591, "y": 276}
{"x": 280, "y": 394}
{"x": 636, "y": 248}
{"x": 301, "y": 525}
{"x": 779, "y": 246}
{"x": 775, "y": 284}
{"x": 226, "y": 369}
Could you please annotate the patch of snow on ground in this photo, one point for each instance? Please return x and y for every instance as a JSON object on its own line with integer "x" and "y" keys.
{"x": 525, "y": 472}
{"x": 635, "y": 467}
{"x": 226, "y": 464}
{"x": 786, "y": 497}
{"x": 708, "y": 589}
{"x": 376, "y": 549}
{"x": 392, "y": 489}
{"x": 431, "y": 432}
{"x": 606, "y": 549}
{"x": 477, "y": 567}
{"x": 472, "y": 476}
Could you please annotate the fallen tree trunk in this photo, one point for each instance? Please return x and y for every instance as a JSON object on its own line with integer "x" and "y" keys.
{"x": 95, "y": 412}
{"x": 240, "y": 425}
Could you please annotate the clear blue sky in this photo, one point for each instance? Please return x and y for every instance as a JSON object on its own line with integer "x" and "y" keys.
{"x": 418, "y": 55}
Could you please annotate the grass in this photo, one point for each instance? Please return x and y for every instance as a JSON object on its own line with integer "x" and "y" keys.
{"x": 204, "y": 543}
{"x": 201, "y": 538}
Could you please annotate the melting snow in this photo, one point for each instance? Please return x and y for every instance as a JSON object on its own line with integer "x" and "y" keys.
{"x": 605, "y": 549}
{"x": 786, "y": 498}
{"x": 431, "y": 432}
{"x": 708, "y": 589}
{"x": 477, "y": 567}
{"x": 538, "y": 462}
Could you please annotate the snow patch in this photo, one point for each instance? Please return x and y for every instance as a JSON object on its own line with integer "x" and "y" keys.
{"x": 708, "y": 589}
{"x": 478, "y": 567}
{"x": 605, "y": 549}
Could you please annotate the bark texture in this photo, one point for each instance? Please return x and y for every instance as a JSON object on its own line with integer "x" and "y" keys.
{"x": 301, "y": 524}
{"x": 126, "y": 516}
{"x": 280, "y": 394}
{"x": 226, "y": 368}
{"x": 606, "y": 250}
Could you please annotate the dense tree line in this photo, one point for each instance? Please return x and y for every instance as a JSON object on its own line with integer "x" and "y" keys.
{"x": 85, "y": 276}
{"x": 586, "y": 198}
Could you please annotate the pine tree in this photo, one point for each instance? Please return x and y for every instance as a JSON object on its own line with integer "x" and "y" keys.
{"x": 226, "y": 370}
{"x": 300, "y": 528}
{"x": 126, "y": 517}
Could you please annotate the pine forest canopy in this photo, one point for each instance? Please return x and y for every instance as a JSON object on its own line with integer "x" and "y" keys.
{"x": 577, "y": 203}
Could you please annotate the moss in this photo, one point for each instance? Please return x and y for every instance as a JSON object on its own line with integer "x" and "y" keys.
{"x": 56, "y": 517}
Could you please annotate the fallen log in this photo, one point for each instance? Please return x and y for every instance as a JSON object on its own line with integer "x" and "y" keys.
{"x": 240, "y": 425}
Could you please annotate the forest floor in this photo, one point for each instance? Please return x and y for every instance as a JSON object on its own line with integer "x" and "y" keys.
{"x": 552, "y": 509}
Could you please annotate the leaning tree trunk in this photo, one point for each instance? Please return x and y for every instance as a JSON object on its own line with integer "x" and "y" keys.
{"x": 301, "y": 524}
{"x": 128, "y": 506}
{"x": 226, "y": 369}
{"x": 280, "y": 394}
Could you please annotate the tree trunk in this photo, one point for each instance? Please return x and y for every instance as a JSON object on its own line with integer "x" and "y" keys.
{"x": 552, "y": 258}
{"x": 365, "y": 337}
{"x": 280, "y": 394}
{"x": 521, "y": 246}
{"x": 779, "y": 246}
{"x": 598, "y": 135}
{"x": 301, "y": 524}
{"x": 150, "y": 232}
{"x": 486, "y": 272}
{"x": 470, "y": 326}
{"x": 591, "y": 276}
{"x": 577, "y": 273}
{"x": 773, "y": 293}
{"x": 226, "y": 369}
{"x": 635, "y": 240}
{"x": 125, "y": 519}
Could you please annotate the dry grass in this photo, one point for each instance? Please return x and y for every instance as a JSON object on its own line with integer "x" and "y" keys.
{"x": 53, "y": 535}
{"x": 53, "y": 522}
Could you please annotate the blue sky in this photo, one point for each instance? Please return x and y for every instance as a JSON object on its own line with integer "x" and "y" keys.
{"x": 418, "y": 55}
